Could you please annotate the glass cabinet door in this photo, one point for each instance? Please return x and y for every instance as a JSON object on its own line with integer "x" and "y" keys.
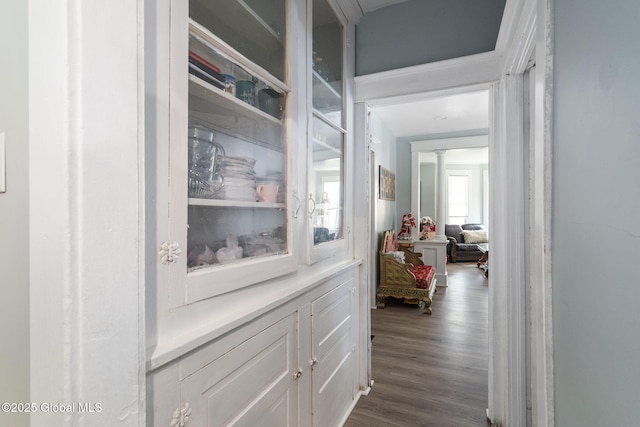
{"x": 326, "y": 164}
{"x": 235, "y": 149}
{"x": 326, "y": 182}
{"x": 254, "y": 28}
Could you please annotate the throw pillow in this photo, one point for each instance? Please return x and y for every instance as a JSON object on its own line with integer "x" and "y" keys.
{"x": 475, "y": 236}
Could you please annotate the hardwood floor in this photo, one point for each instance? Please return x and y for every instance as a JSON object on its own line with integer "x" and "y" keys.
{"x": 430, "y": 370}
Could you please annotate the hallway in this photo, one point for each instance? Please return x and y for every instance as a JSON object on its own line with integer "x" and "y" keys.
{"x": 430, "y": 370}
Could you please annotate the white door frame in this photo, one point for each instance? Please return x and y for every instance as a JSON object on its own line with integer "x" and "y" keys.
{"x": 530, "y": 26}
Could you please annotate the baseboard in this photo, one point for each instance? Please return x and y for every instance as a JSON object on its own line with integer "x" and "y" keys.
{"x": 353, "y": 405}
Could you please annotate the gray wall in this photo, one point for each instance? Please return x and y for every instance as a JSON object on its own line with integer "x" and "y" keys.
{"x": 596, "y": 205}
{"x": 385, "y": 157}
{"x": 14, "y": 212}
{"x": 403, "y": 178}
{"x": 423, "y": 31}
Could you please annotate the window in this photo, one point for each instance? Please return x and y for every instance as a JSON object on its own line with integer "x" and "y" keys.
{"x": 458, "y": 185}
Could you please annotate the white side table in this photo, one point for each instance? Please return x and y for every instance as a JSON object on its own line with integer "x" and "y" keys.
{"x": 434, "y": 253}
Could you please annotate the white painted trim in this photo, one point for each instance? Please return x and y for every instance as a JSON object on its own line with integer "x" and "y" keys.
{"x": 86, "y": 293}
{"x": 507, "y": 362}
{"x": 373, "y": 217}
{"x": 350, "y": 9}
{"x": 485, "y": 196}
{"x": 479, "y": 141}
{"x": 49, "y": 207}
{"x": 542, "y": 380}
{"x": 436, "y": 76}
{"x": 363, "y": 235}
{"x": 515, "y": 250}
{"x": 509, "y": 25}
{"x": 495, "y": 383}
{"x": 421, "y": 96}
{"x": 521, "y": 50}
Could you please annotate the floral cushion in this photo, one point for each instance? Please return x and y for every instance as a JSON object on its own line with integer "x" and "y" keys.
{"x": 423, "y": 274}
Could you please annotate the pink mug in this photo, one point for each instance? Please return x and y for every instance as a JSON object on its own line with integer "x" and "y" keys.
{"x": 267, "y": 192}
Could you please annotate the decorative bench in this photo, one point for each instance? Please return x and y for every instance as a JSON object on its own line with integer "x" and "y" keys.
{"x": 403, "y": 275}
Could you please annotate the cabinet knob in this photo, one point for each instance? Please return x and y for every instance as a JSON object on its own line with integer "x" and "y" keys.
{"x": 181, "y": 416}
{"x": 297, "y": 374}
{"x": 169, "y": 252}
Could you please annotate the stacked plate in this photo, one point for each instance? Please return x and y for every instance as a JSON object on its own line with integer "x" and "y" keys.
{"x": 239, "y": 179}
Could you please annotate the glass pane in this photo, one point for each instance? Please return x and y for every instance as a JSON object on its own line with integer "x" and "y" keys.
{"x": 458, "y": 199}
{"x": 255, "y": 28}
{"x": 214, "y": 71}
{"x": 326, "y": 182}
{"x": 236, "y": 183}
{"x": 223, "y": 235}
{"x": 327, "y": 62}
{"x": 458, "y": 189}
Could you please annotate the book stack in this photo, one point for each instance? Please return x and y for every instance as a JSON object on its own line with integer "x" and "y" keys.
{"x": 206, "y": 71}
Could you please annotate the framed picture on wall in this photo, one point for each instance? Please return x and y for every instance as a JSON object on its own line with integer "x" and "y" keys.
{"x": 387, "y": 185}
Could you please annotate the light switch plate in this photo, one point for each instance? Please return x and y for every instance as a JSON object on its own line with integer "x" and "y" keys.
{"x": 3, "y": 165}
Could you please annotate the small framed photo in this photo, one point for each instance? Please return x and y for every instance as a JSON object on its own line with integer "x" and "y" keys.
{"x": 387, "y": 185}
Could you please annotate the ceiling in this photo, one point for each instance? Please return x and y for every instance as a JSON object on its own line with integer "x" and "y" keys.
{"x": 447, "y": 114}
{"x": 463, "y": 156}
{"x": 442, "y": 115}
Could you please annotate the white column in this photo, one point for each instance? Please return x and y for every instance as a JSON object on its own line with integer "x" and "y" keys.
{"x": 440, "y": 195}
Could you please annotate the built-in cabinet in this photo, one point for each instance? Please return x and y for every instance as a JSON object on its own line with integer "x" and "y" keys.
{"x": 252, "y": 288}
{"x": 296, "y": 365}
{"x": 229, "y": 172}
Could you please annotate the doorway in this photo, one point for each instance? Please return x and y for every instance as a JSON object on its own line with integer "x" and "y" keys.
{"x": 406, "y": 151}
{"x": 530, "y": 43}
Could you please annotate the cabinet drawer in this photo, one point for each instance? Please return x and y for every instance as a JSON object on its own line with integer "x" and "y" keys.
{"x": 333, "y": 327}
{"x": 253, "y": 384}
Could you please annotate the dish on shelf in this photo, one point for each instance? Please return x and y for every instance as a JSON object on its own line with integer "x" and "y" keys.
{"x": 239, "y": 179}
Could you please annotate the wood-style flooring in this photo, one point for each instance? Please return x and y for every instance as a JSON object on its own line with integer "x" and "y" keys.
{"x": 430, "y": 370}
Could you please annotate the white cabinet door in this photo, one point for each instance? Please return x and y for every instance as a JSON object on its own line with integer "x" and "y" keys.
{"x": 254, "y": 384}
{"x": 218, "y": 130}
{"x": 334, "y": 371}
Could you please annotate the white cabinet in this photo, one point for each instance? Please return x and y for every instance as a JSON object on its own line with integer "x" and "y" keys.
{"x": 252, "y": 319}
{"x": 230, "y": 182}
{"x": 333, "y": 337}
{"x": 252, "y": 384}
{"x": 251, "y": 150}
{"x": 268, "y": 372}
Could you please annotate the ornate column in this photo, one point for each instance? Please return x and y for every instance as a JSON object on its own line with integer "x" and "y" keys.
{"x": 440, "y": 195}
{"x": 434, "y": 252}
